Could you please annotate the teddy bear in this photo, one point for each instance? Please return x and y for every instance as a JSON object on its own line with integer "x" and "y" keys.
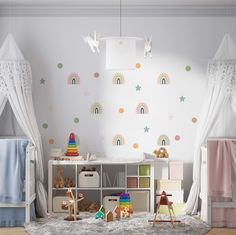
{"x": 161, "y": 153}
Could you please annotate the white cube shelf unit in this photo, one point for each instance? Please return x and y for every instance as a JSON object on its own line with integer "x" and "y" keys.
{"x": 114, "y": 177}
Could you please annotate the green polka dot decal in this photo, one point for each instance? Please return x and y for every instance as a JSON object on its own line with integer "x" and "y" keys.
{"x": 45, "y": 125}
{"x": 60, "y": 65}
{"x": 188, "y": 68}
{"x": 76, "y": 120}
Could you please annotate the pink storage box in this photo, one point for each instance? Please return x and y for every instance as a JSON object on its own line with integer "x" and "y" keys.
{"x": 176, "y": 170}
{"x": 132, "y": 182}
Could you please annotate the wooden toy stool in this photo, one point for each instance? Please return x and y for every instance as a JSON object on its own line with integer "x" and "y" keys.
{"x": 165, "y": 201}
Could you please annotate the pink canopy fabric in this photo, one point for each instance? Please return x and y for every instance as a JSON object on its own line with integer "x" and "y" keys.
{"x": 221, "y": 167}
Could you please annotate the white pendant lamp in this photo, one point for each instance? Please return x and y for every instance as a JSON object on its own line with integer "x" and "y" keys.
{"x": 120, "y": 50}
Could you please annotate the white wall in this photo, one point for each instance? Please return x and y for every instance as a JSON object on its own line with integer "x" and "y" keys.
{"x": 177, "y": 42}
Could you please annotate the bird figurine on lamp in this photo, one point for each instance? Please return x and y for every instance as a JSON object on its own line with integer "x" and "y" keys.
{"x": 147, "y": 47}
{"x": 93, "y": 41}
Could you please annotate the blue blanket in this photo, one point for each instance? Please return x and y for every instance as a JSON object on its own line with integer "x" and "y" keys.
{"x": 12, "y": 169}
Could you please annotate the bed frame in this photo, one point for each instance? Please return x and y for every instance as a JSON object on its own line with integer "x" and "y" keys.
{"x": 207, "y": 204}
{"x": 29, "y": 186}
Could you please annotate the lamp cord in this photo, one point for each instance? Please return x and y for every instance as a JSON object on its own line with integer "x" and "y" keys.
{"x": 120, "y": 21}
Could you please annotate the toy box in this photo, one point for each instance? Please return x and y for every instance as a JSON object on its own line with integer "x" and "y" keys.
{"x": 169, "y": 185}
{"x": 88, "y": 179}
{"x": 110, "y": 202}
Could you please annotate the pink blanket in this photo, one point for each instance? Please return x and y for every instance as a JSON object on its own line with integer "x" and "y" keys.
{"x": 221, "y": 173}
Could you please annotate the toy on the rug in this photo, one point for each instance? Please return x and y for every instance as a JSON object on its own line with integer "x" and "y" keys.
{"x": 59, "y": 181}
{"x": 161, "y": 153}
{"x": 109, "y": 216}
{"x": 93, "y": 207}
{"x": 71, "y": 203}
{"x": 164, "y": 201}
{"x": 72, "y": 150}
{"x": 116, "y": 213}
{"x": 125, "y": 205}
{"x": 68, "y": 182}
{"x": 101, "y": 213}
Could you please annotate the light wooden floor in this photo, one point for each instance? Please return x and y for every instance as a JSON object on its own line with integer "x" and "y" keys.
{"x": 21, "y": 231}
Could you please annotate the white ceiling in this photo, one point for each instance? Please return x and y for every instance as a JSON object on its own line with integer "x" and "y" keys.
{"x": 116, "y": 2}
{"x": 111, "y": 7}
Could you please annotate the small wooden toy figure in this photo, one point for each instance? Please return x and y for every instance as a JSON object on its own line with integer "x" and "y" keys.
{"x": 71, "y": 203}
{"x": 59, "y": 181}
{"x": 100, "y": 215}
{"x": 109, "y": 216}
{"x": 116, "y": 213}
{"x": 125, "y": 213}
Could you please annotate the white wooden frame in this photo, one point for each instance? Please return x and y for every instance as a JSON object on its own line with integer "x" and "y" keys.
{"x": 151, "y": 189}
{"x": 206, "y": 200}
{"x": 29, "y": 189}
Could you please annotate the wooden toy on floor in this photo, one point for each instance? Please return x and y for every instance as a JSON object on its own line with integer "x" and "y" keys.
{"x": 125, "y": 205}
{"x": 116, "y": 212}
{"x": 71, "y": 203}
{"x": 59, "y": 181}
{"x": 165, "y": 201}
{"x": 100, "y": 215}
{"x": 109, "y": 216}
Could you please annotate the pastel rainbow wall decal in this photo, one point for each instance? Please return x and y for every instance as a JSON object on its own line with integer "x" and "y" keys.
{"x": 163, "y": 79}
{"x": 96, "y": 108}
{"x": 118, "y": 140}
{"x": 142, "y": 108}
{"x": 73, "y": 79}
{"x": 118, "y": 79}
{"x": 163, "y": 140}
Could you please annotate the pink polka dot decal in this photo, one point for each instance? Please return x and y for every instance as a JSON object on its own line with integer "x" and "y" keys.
{"x": 194, "y": 120}
{"x": 177, "y": 137}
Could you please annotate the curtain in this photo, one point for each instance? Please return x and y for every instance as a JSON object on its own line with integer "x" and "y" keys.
{"x": 221, "y": 86}
{"x": 16, "y": 81}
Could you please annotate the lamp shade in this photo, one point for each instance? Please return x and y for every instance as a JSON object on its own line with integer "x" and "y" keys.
{"x": 120, "y": 53}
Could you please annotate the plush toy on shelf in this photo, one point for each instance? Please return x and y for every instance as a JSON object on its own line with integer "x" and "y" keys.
{"x": 59, "y": 181}
{"x": 72, "y": 150}
{"x": 71, "y": 204}
{"x": 68, "y": 182}
{"x": 161, "y": 153}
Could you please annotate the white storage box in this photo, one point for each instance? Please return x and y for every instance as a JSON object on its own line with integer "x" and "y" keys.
{"x": 110, "y": 202}
{"x": 161, "y": 168}
{"x": 140, "y": 200}
{"x": 169, "y": 185}
{"x": 177, "y": 196}
{"x": 56, "y": 204}
{"x": 88, "y": 179}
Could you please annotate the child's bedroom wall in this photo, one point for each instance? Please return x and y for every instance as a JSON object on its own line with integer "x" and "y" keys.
{"x": 181, "y": 49}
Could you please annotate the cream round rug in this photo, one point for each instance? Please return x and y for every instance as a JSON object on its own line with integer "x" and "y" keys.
{"x": 137, "y": 224}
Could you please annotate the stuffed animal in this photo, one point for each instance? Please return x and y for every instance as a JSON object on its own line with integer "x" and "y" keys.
{"x": 161, "y": 153}
{"x": 68, "y": 182}
{"x": 59, "y": 181}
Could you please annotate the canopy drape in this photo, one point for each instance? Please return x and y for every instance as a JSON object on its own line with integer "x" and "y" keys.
{"x": 218, "y": 116}
{"x": 16, "y": 87}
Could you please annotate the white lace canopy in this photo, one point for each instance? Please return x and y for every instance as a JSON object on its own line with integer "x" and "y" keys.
{"x": 15, "y": 73}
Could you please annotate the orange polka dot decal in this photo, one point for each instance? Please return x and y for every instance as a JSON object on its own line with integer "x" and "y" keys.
{"x": 121, "y": 110}
{"x": 138, "y": 66}
{"x": 135, "y": 146}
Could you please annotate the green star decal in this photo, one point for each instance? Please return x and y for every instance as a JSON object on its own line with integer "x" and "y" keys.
{"x": 146, "y": 129}
{"x": 182, "y": 98}
{"x": 138, "y": 88}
